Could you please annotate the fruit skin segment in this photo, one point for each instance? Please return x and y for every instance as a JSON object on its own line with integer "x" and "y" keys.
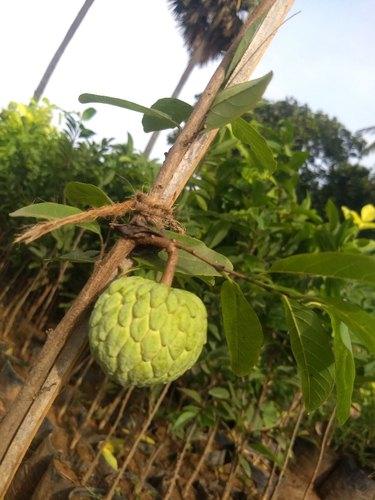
{"x": 143, "y": 332}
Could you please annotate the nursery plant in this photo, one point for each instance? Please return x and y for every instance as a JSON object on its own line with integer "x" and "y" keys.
{"x": 151, "y": 327}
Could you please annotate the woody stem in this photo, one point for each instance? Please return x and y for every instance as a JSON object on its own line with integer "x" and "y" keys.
{"x": 170, "y": 267}
{"x": 170, "y": 246}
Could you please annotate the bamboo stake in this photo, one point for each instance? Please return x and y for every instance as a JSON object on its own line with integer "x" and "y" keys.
{"x": 181, "y": 162}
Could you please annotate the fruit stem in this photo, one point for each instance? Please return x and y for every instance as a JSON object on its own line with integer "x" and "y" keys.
{"x": 141, "y": 237}
{"x": 170, "y": 267}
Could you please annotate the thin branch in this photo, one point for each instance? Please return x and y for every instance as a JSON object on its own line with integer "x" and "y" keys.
{"x": 96, "y": 401}
{"x": 180, "y": 461}
{"x": 74, "y": 389}
{"x": 43, "y": 228}
{"x": 289, "y": 452}
{"x": 111, "y": 409}
{"x": 231, "y": 478}
{"x": 321, "y": 454}
{"x": 150, "y": 463}
{"x": 202, "y": 459}
{"x": 133, "y": 449}
{"x": 112, "y": 430}
{"x": 284, "y": 422}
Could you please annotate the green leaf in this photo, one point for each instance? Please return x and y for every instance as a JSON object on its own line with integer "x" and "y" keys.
{"x": 217, "y": 233}
{"x": 247, "y": 134}
{"x": 242, "y": 329}
{"x": 234, "y": 101}
{"x": 246, "y": 467}
{"x": 344, "y": 369}
{"x": 82, "y": 194}
{"x": 88, "y": 114}
{"x": 122, "y": 103}
{"x": 266, "y": 452}
{"x": 187, "y": 263}
{"x": 332, "y": 214}
{"x": 179, "y": 111}
{"x": 359, "y": 322}
{"x": 47, "y": 210}
{"x": 80, "y": 256}
{"x": 51, "y": 211}
{"x": 192, "y": 264}
{"x": 329, "y": 264}
{"x": 245, "y": 42}
{"x": 219, "y": 393}
{"x": 194, "y": 395}
{"x": 312, "y": 351}
{"x": 201, "y": 202}
{"x": 185, "y": 417}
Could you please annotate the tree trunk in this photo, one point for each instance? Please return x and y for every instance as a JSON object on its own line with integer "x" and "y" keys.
{"x": 61, "y": 49}
{"x": 184, "y": 77}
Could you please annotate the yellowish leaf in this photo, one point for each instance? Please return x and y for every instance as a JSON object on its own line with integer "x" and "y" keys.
{"x": 351, "y": 215}
{"x": 112, "y": 448}
{"x": 366, "y": 225}
{"x": 368, "y": 213}
{"x": 107, "y": 453}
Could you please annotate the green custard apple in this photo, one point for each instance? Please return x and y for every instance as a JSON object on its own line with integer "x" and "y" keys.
{"x": 144, "y": 333}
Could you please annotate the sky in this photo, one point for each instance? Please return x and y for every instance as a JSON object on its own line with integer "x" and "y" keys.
{"x": 132, "y": 49}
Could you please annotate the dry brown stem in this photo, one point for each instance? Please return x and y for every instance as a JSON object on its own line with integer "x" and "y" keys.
{"x": 179, "y": 462}
{"x": 22, "y": 421}
{"x": 133, "y": 449}
{"x": 289, "y": 451}
{"x": 94, "y": 405}
{"x": 43, "y": 228}
{"x": 147, "y": 470}
{"x": 148, "y": 212}
{"x": 75, "y": 388}
{"x": 202, "y": 459}
{"x": 112, "y": 430}
{"x": 111, "y": 409}
{"x": 321, "y": 454}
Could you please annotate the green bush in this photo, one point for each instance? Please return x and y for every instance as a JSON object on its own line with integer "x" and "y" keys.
{"x": 236, "y": 205}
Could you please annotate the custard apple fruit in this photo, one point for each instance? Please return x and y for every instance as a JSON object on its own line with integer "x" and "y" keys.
{"x": 144, "y": 333}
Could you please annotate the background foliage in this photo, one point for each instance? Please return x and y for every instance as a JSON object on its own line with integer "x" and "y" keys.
{"x": 237, "y": 206}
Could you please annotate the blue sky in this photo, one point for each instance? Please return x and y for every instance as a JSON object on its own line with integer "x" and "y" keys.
{"x": 131, "y": 49}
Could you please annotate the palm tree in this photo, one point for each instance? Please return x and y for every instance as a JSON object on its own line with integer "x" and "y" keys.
{"x": 370, "y": 148}
{"x": 61, "y": 49}
{"x": 208, "y": 28}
